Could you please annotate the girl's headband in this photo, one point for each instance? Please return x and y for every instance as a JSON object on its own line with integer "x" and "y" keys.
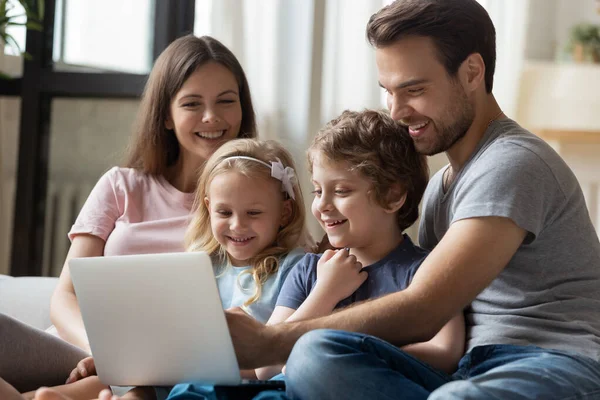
{"x": 286, "y": 175}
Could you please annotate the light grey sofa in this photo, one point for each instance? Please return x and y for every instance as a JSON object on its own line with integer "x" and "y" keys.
{"x": 27, "y": 299}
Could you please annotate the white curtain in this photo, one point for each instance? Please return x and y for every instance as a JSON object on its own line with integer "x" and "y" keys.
{"x": 510, "y": 18}
{"x": 306, "y": 61}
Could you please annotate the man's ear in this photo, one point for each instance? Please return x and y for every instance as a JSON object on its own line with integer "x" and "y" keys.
{"x": 472, "y": 72}
{"x": 396, "y": 199}
{"x": 286, "y": 213}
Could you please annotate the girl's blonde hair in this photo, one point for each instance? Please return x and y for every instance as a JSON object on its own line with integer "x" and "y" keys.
{"x": 199, "y": 236}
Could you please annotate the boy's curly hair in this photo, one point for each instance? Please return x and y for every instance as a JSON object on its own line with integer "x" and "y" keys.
{"x": 381, "y": 149}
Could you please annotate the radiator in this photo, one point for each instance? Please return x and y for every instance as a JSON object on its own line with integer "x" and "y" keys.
{"x": 63, "y": 203}
{"x": 64, "y": 199}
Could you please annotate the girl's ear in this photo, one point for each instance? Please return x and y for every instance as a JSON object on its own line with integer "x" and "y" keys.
{"x": 207, "y": 202}
{"x": 286, "y": 213}
{"x": 396, "y": 199}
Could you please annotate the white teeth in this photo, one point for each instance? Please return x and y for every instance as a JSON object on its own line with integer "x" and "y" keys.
{"x": 416, "y": 127}
{"x": 339, "y": 221}
{"x": 210, "y": 135}
{"x": 240, "y": 239}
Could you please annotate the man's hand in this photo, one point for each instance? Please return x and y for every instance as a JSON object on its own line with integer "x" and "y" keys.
{"x": 339, "y": 274}
{"x": 84, "y": 368}
{"x": 252, "y": 341}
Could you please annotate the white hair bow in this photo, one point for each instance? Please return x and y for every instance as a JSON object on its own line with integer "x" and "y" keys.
{"x": 286, "y": 175}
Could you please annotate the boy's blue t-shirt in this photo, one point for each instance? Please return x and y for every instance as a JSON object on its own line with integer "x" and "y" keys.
{"x": 236, "y": 286}
{"x": 391, "y": 274}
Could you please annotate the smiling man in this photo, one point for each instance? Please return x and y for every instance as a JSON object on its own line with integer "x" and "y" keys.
{"x": 511, "y": 243}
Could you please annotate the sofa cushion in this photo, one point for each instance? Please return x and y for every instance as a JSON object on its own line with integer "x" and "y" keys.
{"x": 27, "y": 299}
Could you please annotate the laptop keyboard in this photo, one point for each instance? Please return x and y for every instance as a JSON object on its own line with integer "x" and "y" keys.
{"x": 248, "y": 389}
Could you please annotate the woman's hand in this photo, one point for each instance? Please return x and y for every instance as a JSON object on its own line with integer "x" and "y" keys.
{"x": 84, "y": 368}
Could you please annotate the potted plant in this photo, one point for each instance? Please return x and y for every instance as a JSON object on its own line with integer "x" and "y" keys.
{"x": 584, "y": 43}
{"x": 33, "y": 13}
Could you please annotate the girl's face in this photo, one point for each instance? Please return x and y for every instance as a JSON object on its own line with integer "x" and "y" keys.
{"x": 344, "y": 206}
{"x": 206, "y": 112}
{"x": 246, "y": 213}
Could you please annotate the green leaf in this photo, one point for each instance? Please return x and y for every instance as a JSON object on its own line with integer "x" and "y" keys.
{"x": 9, "y": 40}
{"x": 41, "y": 10}
{"x": 4, "y": 76}
{"x": 34, "y": 26}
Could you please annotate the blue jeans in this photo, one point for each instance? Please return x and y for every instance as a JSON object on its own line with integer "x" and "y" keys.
{"x": 327, "y": 364}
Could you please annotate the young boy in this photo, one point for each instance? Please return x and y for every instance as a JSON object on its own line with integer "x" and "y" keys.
{"x": 368, "y": 182}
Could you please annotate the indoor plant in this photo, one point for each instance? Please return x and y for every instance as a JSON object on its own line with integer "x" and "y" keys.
{"x": 33, "y": 13}
{"x": 584, "y": 42}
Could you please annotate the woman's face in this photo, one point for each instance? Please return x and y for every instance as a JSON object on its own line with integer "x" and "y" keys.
{"x": 206, "y": 112}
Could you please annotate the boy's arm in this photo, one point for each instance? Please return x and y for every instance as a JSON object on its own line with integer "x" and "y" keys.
{"x": 445, "y": 349}
{"x": 339, "y": 275}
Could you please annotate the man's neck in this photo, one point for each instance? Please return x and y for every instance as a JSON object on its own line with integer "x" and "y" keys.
{"x": 485, "y": 114}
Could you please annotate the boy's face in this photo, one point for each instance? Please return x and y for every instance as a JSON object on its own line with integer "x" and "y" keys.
{"x": 344, "y": 205}
{"x": 422, "y": 96}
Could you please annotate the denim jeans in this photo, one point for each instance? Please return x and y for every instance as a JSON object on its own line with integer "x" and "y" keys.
{"x": 327, "y": 364}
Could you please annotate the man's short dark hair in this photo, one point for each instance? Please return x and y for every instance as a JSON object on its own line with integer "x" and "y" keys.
{"x": 457, "y": 28}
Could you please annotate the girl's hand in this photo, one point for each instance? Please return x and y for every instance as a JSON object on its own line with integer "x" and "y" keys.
{"x": 339, "y": 274}
{"x": 84, "y": 368}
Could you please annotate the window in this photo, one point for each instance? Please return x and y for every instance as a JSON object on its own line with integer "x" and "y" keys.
{"x": 106, "y": 35}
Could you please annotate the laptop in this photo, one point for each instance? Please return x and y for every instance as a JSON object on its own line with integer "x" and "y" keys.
{"x": 155, "y": 319}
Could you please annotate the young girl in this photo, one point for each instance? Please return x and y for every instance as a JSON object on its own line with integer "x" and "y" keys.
{"x": 368, "y": 182}
{"x": 196, "y": 99}
{"x": 249, "y": 217}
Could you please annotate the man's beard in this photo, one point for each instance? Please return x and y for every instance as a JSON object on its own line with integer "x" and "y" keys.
{"x": 446, "y": 136}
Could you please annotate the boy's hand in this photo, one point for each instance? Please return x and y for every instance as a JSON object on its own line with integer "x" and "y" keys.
{"x": 324, "y": 245}
{"x": 84, "y": 368}
{"x": 339, "y": 274}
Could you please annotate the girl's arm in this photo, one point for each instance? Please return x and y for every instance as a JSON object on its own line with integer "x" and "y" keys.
{"x": 64, "y": 309}
{"x": 318, "y": 303}
{"x": 445, "y": 349}
{"x": 338, "y": 276}
{"x": 280, "y": 314}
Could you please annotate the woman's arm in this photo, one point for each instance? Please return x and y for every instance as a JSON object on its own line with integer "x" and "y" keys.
{"x": 445, "y": 349}
{"x": 64, "y": 309}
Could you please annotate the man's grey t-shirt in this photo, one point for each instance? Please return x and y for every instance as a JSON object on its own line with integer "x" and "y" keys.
{"x": 549, "y": 293}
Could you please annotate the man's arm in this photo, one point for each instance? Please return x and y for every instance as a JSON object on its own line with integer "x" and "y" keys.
{"x": 468, "y": 258}
{"x": 445, "y": 349}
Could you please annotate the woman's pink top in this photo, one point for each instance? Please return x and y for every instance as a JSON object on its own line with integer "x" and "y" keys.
{"x": 135, "y": 213}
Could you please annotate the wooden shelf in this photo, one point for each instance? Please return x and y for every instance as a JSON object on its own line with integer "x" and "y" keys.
{"x": 562, "y": 136}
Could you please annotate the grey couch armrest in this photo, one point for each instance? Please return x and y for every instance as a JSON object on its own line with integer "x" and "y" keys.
{"x": 27, "y": 299}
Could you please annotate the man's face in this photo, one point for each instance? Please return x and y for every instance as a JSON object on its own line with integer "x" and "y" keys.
{"x": 422, "y": 96}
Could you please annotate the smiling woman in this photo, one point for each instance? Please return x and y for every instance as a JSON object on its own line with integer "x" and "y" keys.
{"x": 196, "y": 99}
